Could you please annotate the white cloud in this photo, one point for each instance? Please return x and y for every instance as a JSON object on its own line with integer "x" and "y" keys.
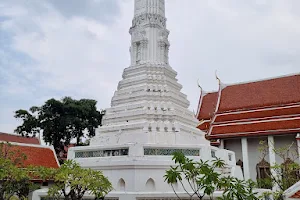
{"x": 241, "y": 40}
{"x": 74, "y": 55}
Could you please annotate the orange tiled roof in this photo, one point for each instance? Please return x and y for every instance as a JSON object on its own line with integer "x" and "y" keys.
{"x": 266, "y": 93}
{"x": 204, "y": 126}
{"x": 36, "y": 155}
{"x": 296, "y": 195}
{"x": 291, "y": 125}
{"x": 208, "y": 106}
{"x": 258, "y": 114}
{"x": 19, "y": 139}
{"x": 255, "y": 108}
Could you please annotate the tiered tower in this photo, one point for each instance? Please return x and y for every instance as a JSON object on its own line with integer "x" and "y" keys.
{"x": 148, "y": 106}
{"x": 148, "y": 119}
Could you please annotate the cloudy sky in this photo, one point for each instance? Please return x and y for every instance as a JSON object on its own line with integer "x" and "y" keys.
{"x": 79, "y": 48}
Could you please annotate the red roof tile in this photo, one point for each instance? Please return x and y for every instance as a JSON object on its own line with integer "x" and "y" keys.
{"x": 258, "y": 114}
{"x": 266, "y": 93}
{"x": 296, "y": 195}
{"x": 19, "y": 139}
{"x": 37, "y": 156}
{"x": 208, "y": 106}
{"x": 260, "y": 107}
{"x": 204, "y": 126}
{"x": 257, "y": 128}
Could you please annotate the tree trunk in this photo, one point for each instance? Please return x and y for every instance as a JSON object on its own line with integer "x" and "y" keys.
{"x": 78, "y": 137}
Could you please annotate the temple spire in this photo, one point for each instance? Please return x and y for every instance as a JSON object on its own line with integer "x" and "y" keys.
{"x": 149, "y": 6}
{"x": 149, "y": 36}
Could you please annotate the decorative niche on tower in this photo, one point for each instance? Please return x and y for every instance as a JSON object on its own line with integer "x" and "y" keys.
{"x": 138, "y": 52}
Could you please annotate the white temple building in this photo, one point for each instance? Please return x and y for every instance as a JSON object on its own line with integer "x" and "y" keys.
{"x": 148, "y": 119}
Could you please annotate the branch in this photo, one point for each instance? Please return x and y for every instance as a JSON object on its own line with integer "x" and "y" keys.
{"x": 185, "y": 188}
{"x": 175, "y": 191}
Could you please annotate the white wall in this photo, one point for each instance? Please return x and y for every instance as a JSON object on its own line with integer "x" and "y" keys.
{"x": 235, "y": 146}
{"x": 254, "y": 154}
{"x": 283, "y": 141}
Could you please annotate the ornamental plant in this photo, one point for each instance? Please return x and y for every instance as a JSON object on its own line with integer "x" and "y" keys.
{"x": 201, "y": 179}
{"x": 72, "y": 182}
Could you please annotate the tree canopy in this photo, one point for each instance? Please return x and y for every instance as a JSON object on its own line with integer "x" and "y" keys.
{"x": 14, "y": 178}
{"x": 72, "y": 182}
{"x": 200, "y": 179}
{"x": 282, "y": 175}
{"x": 60, "y": 121}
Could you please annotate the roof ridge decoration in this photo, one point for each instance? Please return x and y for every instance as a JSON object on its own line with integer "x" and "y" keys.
{"x": 202, "y": 121}
{"x": 28, "y": 145}
{"x": 221, "y": 84}
{"x": 13, "y": 134}
{"x": 293, "y": 191}
{"x": 12, "y": 137}
{"x": 221, "y": 87}
{"x": 202, "y": 94}
{"x": 264, "y": 79}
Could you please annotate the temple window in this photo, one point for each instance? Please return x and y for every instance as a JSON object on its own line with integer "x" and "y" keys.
{"x": 102, "y": 153}
{"x": 148, "y": 151}
{"x": 166, "y": 53}
{"x": 263, "y": 174}
{"x": 213, "y": 154}
{"x": 150, "y": 185}
{"x": 230, "y": 157}
{"x": 121, "y": 185}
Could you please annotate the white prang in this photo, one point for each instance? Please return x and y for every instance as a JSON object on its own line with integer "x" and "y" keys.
{"x": 148, "y": 106}
{"x": 148, "y": 119}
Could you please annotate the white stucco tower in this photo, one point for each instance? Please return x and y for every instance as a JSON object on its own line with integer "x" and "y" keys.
{"x": 149, "y": 35}
{"x": 148, "y": 119}
{"x": 148, "y": 107}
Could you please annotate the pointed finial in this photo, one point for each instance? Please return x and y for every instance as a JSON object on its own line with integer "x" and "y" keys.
{"x": 199, "y": 84}
{"x": 222, "y": 85}
{"x": 219, "y": 80}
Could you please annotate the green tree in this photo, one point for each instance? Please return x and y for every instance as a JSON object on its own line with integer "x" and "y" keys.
{"x": 14, "y": 177}
{"x": 61, "y": 121}
{"x": 72, "y": 182}
{"x": 283, "y": 175}
{"x": 200, "y": 179}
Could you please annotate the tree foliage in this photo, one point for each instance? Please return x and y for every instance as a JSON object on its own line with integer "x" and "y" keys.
{"x": 282, "y": 175}
{"x": 72, "y": 182}
{"x": 200, "y": 179}
{"x": 61, "y": 121}
{"x": 14, "y": 178}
